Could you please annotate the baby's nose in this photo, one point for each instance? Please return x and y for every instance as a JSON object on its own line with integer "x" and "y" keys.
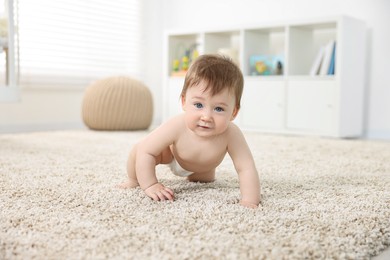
{"x": 206, "y": 115}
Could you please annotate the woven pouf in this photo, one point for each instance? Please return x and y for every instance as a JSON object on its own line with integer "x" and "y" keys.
{"x": 117, "y": 103}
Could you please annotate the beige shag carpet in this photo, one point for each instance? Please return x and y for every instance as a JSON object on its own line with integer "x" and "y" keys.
{"x": 322, "y": 199}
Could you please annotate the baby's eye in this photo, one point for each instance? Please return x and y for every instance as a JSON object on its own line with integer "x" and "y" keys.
{"x": 198, "y": 105}
{"x": 219, "y": 109}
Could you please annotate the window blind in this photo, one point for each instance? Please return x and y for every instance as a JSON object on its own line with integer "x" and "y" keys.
{"x": 65, "y": 43}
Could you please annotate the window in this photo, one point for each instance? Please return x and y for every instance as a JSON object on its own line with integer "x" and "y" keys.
{"x": 70, "y": 43}
{"x": 7, "y": 43}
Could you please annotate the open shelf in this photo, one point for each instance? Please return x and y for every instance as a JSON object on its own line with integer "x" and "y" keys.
{"x": 266, "y": 43}
{"x": 295, "y": 97}
{"x": 305, "y": 41}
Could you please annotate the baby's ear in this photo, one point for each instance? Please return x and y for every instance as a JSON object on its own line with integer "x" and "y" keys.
{"x": 183, "y": 101}
{"x": 235, "y": 112}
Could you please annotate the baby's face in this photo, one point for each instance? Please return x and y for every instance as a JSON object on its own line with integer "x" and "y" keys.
{"x": 208, "y": 115}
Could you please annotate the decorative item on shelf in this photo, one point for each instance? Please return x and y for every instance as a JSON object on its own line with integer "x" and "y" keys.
{"x": 194, "y": 55}
{"x": 266, "y": 65}
{"x": 175, "y": 65}
{"x": 180, "y": 67}
{"x": 279, "y": 68}
{"x": 193, "y": 52}
{"x": 185, "y": 63}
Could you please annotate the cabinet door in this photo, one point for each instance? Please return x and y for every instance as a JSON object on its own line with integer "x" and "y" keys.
{"x": 175, "y": 86}
{"x": 311, "y": 106}
{"x": 263, "y": 104}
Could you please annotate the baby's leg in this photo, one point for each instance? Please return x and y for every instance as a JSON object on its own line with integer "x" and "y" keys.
{"x": 132, "y": 180}
{"x": 202, "y": 177}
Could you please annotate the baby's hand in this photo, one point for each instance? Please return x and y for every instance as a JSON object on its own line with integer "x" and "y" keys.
{"x": 248, "y": 204}
{"x": 159, "y": 192}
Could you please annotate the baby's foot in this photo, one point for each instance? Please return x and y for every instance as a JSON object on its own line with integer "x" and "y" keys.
{"x": 128, "y": 184}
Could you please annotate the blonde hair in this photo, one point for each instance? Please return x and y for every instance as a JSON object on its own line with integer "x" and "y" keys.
{"x": 218, "y": 72}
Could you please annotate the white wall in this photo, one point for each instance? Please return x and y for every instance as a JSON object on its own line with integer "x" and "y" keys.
{"x": 201, "y": 14}
{"x": 42, "y": 109}
{"x": 154, "y": 28}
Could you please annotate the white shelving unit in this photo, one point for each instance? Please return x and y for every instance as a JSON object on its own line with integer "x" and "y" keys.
{"x": 293, "y": 101}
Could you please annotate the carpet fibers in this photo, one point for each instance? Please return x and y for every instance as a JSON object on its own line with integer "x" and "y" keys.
{"x": 321, "y": 199}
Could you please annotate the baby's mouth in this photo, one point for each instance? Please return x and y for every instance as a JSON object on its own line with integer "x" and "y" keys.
{"x": 204, "y": 126}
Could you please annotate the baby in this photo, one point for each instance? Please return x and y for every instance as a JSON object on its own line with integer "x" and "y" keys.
{"x": 194, "y": 143}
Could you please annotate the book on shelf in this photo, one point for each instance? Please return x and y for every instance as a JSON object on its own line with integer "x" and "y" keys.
{"x": 315, "y": 68}
{"x": 332, "y": 64}
{"x": 324, "y": 62}
{"x": 327, "y": 58}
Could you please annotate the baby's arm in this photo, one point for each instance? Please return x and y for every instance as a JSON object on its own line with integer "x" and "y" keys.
{"x": 245, "y": 166}
{"x": 146, "y": 176}
{"x": 148, "y": 155}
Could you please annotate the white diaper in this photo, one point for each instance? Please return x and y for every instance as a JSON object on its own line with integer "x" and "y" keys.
{"x": 178, "y": 170}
